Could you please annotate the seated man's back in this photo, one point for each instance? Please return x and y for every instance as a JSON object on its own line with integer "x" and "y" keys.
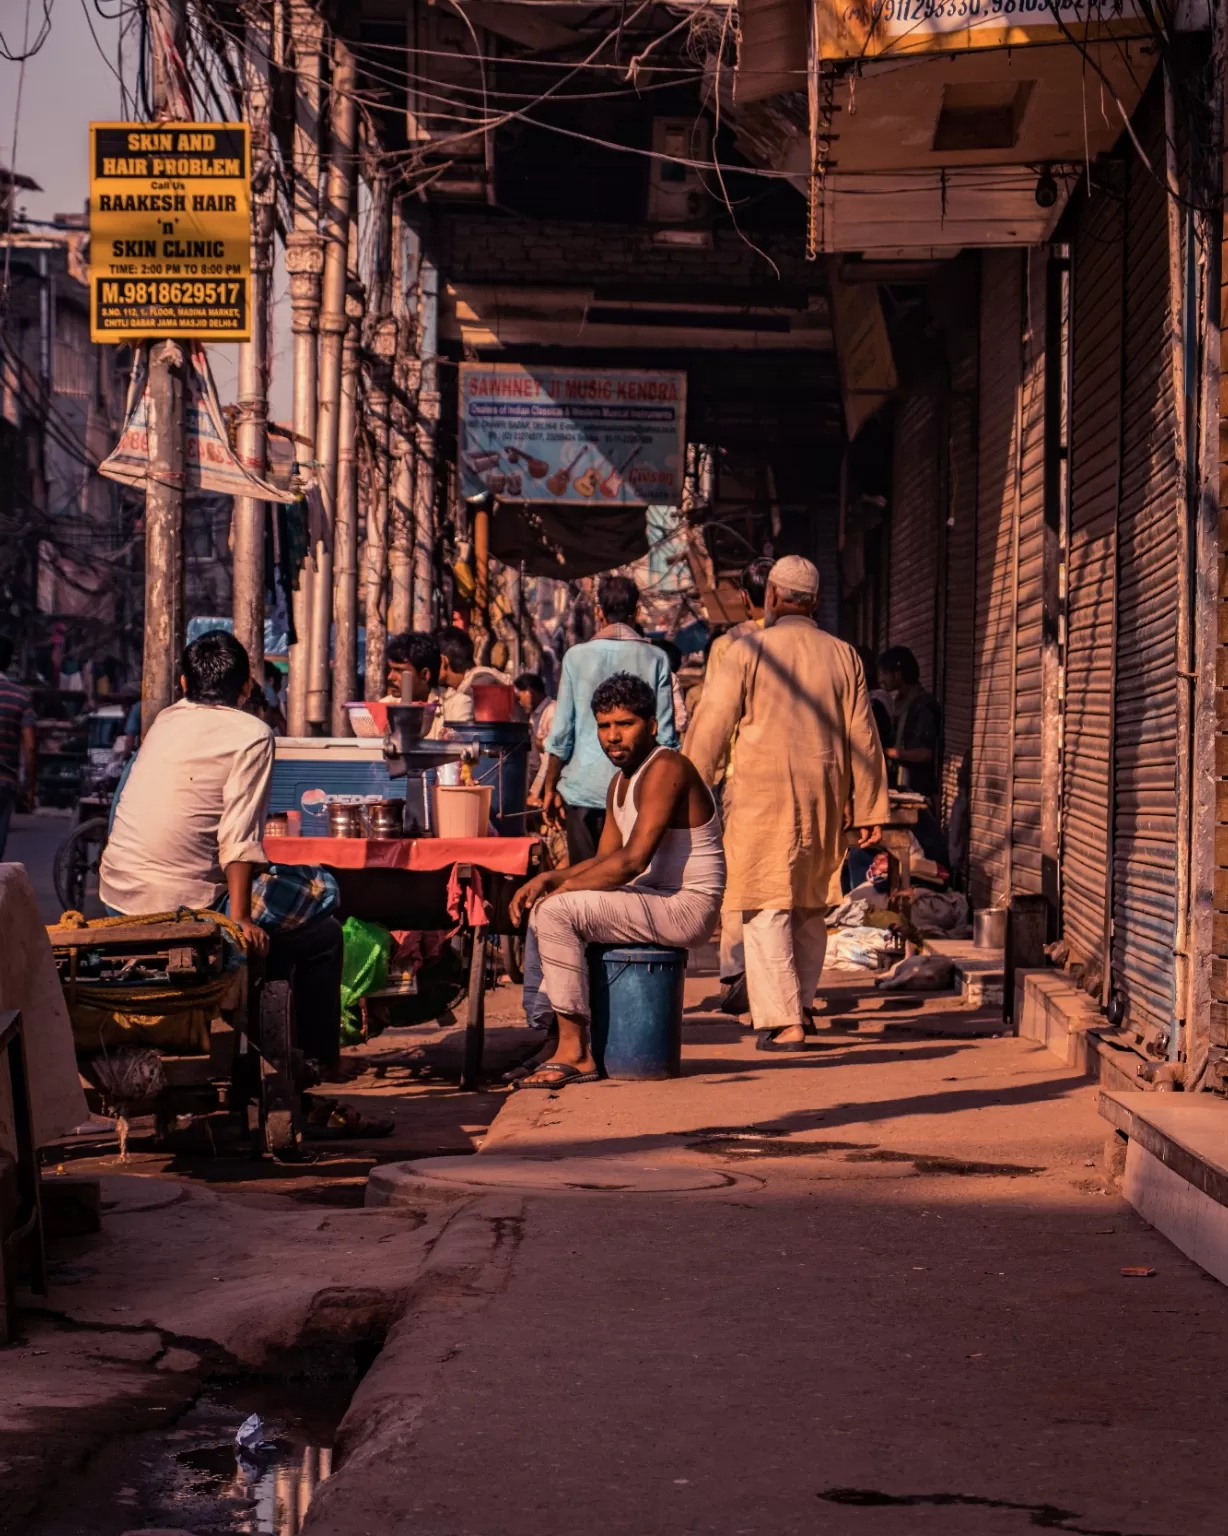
{"x": 194, "y": 802}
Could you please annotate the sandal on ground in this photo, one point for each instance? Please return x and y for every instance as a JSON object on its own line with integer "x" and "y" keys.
{"x": 766, "y": 1041}
{"x": 525, "y": 1069}
{"x": 562, "y": 1074}
{"x": 328, "y": 1120}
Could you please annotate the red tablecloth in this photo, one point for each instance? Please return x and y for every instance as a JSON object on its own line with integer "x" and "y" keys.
{"x": 503, "y": 855}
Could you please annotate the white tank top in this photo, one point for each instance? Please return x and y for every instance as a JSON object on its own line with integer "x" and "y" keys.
{"x": 686, "y": 858}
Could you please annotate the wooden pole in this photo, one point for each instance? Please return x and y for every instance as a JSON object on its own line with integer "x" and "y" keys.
{"x": 249, "y": 513}
{"x": 345, "y": 590}
{"x": 426, "y": 425}
{"x": 383, "y": 351}
{"x": 164, "y": 485}
{"x": 333, "y": 326}
{"x": 401, "y": 508}
{"x": 304, "y": 263}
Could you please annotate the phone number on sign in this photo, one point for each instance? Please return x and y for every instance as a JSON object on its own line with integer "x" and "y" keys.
{"x": 132, "y": 292}
{"x": 912, "y": 12}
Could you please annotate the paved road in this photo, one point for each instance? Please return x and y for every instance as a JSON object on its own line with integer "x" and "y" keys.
{"x": 862, "y": 1346}
{"x": 33, "y": 841}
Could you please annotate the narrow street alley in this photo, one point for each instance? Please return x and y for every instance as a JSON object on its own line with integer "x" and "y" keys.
{"x": 880, "y": 1287}
{"x": 613, "y": 768}
{"x": 908, "y": 1312}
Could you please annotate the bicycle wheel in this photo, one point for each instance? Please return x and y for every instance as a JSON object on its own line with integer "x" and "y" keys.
{"x": 76, "y": 860}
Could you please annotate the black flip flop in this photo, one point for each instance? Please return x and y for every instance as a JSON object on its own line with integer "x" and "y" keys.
{"x": 766, "y": 1041}
{"x": 563, "y": 1074}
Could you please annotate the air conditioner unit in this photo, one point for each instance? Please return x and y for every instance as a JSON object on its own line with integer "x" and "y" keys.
{"x": 676, "y": 192}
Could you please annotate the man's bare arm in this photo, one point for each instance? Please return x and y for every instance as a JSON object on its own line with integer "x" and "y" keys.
{"x": 664, "y": 783}
{"x": 239, "y": 878}
{"x": 553, "y": 807}
{"x": 553, "y": 879}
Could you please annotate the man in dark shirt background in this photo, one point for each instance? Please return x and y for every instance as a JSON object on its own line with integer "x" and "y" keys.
{"x": 18, "y": 744}
{"x": 913, "y": 755}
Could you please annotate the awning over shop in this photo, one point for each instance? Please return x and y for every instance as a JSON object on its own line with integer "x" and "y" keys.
{"x": 567, "y": 542}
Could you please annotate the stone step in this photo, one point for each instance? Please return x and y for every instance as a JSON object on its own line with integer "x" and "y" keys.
{"x": 1176, "y": 1168}
{"x": 1053, "y": 1011}
{"x": 979, "y": 973}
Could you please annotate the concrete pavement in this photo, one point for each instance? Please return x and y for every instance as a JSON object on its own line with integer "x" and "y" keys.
{"x": 906, "y": 1313}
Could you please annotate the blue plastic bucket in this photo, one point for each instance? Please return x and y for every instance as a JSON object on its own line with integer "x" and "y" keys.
{"x": 636, "y": 999}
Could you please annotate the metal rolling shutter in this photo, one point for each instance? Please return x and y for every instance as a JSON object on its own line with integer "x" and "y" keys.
{"x": 993, "y": 660}
{"x": 1027, "y": 785}
{"x": 914, "y": 529}
{"x": 1145, "y": 705}
{"x": 959, "y": 618}
{"x": 1095, "y": 444}
{"x": 959, "y": 610}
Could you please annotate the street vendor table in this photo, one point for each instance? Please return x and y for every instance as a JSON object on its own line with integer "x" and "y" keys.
{"x": 463, "y": 884}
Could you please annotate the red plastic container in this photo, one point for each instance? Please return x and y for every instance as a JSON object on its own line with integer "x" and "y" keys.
{"x": 494, "y": 702}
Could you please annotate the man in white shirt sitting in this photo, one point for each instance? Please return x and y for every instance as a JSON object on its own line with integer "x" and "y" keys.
{"x": 187, "y": 831}
{"x": 457, "y": 675}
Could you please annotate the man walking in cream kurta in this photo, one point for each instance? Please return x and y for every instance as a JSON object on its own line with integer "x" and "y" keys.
{"x": 807, "y": 752}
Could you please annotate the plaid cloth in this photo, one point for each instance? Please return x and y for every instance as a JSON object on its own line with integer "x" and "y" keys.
{"x": 289, "y": 896}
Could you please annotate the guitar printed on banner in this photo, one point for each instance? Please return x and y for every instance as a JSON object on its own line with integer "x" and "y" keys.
{"x": 588, "y": 482}
{"x": 537, "y": 468}
{"x": 561, "y": 478}
{"x": 613, "y": 482}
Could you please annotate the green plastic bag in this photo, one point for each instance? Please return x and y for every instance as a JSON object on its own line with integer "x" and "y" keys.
{"x": 364, "y": 970}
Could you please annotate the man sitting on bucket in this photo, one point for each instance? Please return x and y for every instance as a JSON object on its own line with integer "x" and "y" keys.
{"x": 657, "y": 877}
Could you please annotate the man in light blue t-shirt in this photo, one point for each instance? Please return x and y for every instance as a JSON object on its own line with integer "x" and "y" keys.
{"x": 578, "y": 772}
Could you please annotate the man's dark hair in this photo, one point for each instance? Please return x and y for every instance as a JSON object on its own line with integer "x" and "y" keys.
{"x": 754, "y": 580}
{"x": 6, "y": 652}
{"x": 898, "y": 658}
{"x": 415, "y": 650}
{"x": 623, "y": 691}
{"x": 618, "y": 597}
{"x": 529, "y": 682}
{"x": 456, "y": 646}
{"x": 215, "y": 669}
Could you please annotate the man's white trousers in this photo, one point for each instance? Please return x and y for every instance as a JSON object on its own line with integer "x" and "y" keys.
{"x": 784, "y": 958}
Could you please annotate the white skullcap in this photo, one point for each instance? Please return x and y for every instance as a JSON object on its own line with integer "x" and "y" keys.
{"x": 794, "y": 573}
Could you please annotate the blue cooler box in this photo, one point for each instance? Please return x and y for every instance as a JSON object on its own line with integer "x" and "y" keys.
{"x": 308, "y": 770}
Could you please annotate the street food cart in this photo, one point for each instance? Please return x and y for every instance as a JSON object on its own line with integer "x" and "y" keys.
{"x": 462, "y": 886}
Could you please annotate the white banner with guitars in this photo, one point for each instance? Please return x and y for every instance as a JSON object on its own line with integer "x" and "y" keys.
{"x": 586, "y": 436}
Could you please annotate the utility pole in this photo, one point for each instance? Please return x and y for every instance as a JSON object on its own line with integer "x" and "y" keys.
{"x": 401, "y": 512}
{"x": 164, "y": 485}
{"x": 427, "y": 423}
{"x": 333, "y": 325}
{"x": 383, "y": 350}
{"x": 345, "y": 538}
{"x": 304, "y": 263}
{"x": 249, "y": 513}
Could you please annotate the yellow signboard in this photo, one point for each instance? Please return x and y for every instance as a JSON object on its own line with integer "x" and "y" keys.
{"x": 857, "y": 29}
{"x": 170, "y": 231}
